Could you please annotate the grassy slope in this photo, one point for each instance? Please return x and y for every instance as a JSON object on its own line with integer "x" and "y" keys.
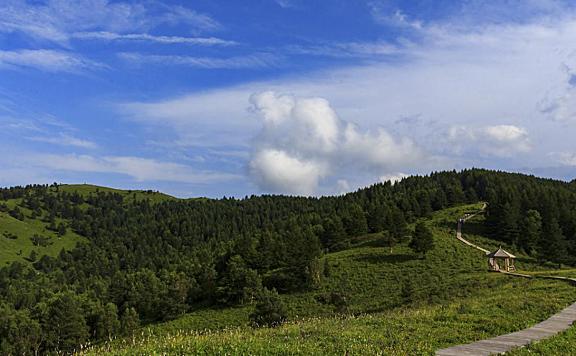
{"x": 20, "y": 249}
{"x": 87, "y": 189}
{"x": 517, "y": 304}
{"x": 455, "y": 301}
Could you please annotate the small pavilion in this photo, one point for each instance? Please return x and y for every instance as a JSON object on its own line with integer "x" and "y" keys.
{"x": 501, "y": 260}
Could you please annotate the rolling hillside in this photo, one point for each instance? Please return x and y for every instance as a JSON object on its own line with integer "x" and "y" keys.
{"x": 348, "y": 271}
{"x": 397, "y": 304}
{"x": 16, "y": 236}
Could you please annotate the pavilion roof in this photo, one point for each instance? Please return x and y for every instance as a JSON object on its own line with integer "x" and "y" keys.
{"x": 501, "y": 254}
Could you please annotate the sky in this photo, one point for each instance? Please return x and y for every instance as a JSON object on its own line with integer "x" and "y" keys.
{"x": 302, "y": 97}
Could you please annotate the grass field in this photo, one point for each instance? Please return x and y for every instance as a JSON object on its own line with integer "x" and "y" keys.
{"x": 19, "y": 249}
{"x": 398, "y": 304}
{"x": 512, "y": 305}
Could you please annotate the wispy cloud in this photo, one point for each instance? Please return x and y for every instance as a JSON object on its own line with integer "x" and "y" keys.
{"x": 285, "y": 4}
{"x": 347, "y": 49}
{"x": 56, "y": 20}
{"x": 46, "y": 60}
{"x": 141, "y": 169}
{"x": 564, "y": 158}
{"x": 65, "y": 140}
{"x": 260, "y": 60}
{"x": 113, "y": 36}
{"x": 384, "y": 13}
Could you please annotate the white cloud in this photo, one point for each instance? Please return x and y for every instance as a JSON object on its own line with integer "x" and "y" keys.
{"x": 393, "y": 178}
{"x": 303, "y": 141}
{"x": 113, "y": 36}
{"x": 394, "y": 18}
{"x": 261, "y": 60}
{"x": 347, "y": 49}
{"x": 141, "y": 169}
{"x": 559, "y": 103}
{"x": 56, "y": 20}
{"x": 277, "y": 171}
{"x": 497, "y": 140}
{"x": 565, "y": 158}
{"x": 46, "y": 60}
{"x": 65, "y": 140}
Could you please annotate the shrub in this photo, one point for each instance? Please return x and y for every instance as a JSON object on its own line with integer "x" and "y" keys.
{"x": 42, "y": 241}
{"x": 339, "y": 300}
{"x": 10, "y": 235}
{"x": 269, "y": 311}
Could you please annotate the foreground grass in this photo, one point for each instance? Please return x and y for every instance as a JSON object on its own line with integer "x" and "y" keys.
{"x": 512, "y": 304}
{"x": 563, "y": 344}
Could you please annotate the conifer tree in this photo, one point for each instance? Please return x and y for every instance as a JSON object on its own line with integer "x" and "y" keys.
{"x": 269, "y": 310}
{"x": 129, "y": 321}
{"x": 422, "y": 240}
{"x": 530, "y": 231}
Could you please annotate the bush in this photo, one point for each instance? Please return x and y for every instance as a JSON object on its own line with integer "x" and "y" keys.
{"x": 10, "y": 235}
{"x": 42, "y": 241}
{"x": 16, "y": 214}
{"x": 339, "y": 300}
{"x": 269, "y": 311}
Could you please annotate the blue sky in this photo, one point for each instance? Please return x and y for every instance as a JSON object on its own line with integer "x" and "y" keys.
{"x": 232, "y": 98}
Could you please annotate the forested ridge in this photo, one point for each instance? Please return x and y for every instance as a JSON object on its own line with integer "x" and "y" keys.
{"x": 149, "y": 261}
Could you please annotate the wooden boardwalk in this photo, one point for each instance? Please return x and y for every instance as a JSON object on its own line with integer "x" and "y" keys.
{"x": 501, "y": 344}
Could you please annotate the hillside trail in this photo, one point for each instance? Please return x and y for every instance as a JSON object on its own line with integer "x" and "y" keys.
{"x": 504, "y": 343}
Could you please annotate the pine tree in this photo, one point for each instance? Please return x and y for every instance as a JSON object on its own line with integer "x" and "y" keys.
{"x": 107, "y": 324}
{"x": 397, "y": 226}
{"x": 239, "y": 284}
{"x": 422, "y": 240}
{"x": 65, "y": 324}
{"x": 530, "y": 231}
{"x": 376, "y": 218}
{"x": 269, "y": 310}
{"x": 61, "y": 229}
{"x": 552, "y": 243}
{"x": 129, "y": 321}
{"x": 334, "y": 233}
{"x": 388, "y": 240}
{"x": 508, "y": 224}
{"x": 355, "y": 221}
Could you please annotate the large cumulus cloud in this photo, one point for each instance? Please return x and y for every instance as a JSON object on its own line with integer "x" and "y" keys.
{"x": 303, "y": 142}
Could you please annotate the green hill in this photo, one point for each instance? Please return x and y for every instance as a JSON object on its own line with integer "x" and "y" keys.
{"x": 397, "y": 304}
{"x": 86, "y": 189}
{"x": 16, "y": 236}
{"x": 193, "y": 271}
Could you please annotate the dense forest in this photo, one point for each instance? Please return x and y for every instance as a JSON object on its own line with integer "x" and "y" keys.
{"x": 148, "y": 261}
